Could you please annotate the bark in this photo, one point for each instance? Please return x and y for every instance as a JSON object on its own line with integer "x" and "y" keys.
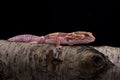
{"x": 27, "y": 61}
{"x": 112, "y": 52}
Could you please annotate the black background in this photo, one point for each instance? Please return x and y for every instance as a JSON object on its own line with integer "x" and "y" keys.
{"x": 41, "y": 18}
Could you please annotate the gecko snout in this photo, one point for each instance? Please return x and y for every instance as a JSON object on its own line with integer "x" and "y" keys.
{"x": 90, "y": 36}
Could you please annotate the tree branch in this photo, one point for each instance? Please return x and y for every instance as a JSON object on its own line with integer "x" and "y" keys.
{"x": 27, "y": 61}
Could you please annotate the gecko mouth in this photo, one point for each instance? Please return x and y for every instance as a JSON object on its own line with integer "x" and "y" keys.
{"x": 85, "y": 41}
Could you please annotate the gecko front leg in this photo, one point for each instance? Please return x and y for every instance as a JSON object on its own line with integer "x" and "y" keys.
{"x": 58, "y": 42}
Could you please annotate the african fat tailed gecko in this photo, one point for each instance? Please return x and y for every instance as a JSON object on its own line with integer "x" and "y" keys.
{"x": 78, "y": 37}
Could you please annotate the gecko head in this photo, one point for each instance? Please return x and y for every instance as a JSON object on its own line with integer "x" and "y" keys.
{"x": 88, "y": 37}
{"x": 81, "y": 37}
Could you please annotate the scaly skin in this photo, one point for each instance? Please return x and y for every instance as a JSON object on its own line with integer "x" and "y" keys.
{"x": 78, "y": 37}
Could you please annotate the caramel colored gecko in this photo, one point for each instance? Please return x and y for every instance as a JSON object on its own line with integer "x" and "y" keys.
{"x": 78, "y": 37}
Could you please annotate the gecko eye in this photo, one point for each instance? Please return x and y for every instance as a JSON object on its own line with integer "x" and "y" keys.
{"x": 86, "y": 35}
{"x": 82, "y": 36}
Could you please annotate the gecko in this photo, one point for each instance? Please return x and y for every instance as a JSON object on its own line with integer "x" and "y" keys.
{"x": 58, "y": 38}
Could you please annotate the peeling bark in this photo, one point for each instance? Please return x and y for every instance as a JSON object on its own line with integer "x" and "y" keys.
{"x": 27, "y": 61}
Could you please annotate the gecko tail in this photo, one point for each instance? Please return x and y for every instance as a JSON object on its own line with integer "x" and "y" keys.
{"x": 27, "y": 38}
{"x": 23, "y": 38}
{"x": 11, "y": 39}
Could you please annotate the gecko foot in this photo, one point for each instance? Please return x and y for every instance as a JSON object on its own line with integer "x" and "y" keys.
{"x": 34, "y": 42}
{"x": 58, "y": 47}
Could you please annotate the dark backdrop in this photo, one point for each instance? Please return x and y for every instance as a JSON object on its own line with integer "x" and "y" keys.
{"x": 37, "y": 18}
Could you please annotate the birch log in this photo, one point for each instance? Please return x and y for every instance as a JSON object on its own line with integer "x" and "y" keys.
{"x": 27, "y": 61}
{"x": 112, "y": 52}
